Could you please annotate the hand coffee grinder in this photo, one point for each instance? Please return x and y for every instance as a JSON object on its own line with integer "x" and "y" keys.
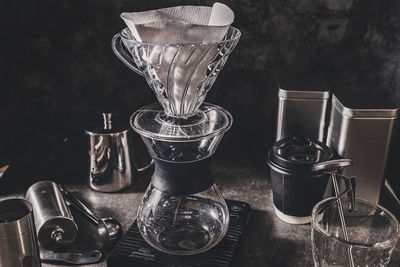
{"x": 182, "y": 211}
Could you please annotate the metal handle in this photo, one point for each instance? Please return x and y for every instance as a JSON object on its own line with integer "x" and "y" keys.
{"x": 120, "y": 51}
{"x": 331, "y": 165}
{"x": 76, "y": 203}
{"x": 107, "y": 120}
{"x": 71, "y": 258}
{"x": 145, "y": 167}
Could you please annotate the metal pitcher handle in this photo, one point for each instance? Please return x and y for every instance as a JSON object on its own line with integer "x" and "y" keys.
{"x": 120, "y": 51}
{"x": 145, "y": 167}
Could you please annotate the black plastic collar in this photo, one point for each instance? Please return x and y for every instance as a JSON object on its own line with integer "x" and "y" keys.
{"x": 182, "y": 178}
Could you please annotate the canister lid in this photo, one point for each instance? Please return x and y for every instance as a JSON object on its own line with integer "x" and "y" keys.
{"x": 364, "y": 105}
{"x": 302, "y": 85}
{"x": 298, "y": 154}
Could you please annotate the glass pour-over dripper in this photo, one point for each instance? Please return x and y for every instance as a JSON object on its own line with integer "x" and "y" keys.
{"x": 179, "y": 74}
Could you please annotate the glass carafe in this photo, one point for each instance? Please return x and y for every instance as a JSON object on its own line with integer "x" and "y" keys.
{"x": 182, "y": 211}
{"x": 183, "y": 225}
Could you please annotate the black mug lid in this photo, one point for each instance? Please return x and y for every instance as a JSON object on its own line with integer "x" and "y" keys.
{"x": 298, "y": 154}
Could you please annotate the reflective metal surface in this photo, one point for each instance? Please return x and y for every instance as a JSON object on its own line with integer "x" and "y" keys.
{"x": 111, "y": 158}
{"x": 110, "y": 231}
{"x": 54, "y": 222}
{"x": 363, "y": 134}
{"x": 302, "y": 107}
{"x": 18, "y": 243}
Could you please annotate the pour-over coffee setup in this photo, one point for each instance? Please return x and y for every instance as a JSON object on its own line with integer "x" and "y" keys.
{"x": 182, "y": 211}
{"x": 183, "y": 219}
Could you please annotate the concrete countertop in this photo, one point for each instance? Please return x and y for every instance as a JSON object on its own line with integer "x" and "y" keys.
{"x": 268, "y": 241}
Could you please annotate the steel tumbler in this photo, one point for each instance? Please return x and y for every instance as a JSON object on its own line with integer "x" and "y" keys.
{"x": 18, "y": 242}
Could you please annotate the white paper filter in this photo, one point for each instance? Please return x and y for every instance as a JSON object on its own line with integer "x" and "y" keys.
{"x": 180, "y": 69}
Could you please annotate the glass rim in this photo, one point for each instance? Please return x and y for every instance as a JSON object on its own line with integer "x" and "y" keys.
{"x": 383, "y": 244}
{"x": 134, "y": 41}
{"x": 170, "y": 138}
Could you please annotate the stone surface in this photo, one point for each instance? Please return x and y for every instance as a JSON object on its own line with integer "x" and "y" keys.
{"x": 268, "y": 242}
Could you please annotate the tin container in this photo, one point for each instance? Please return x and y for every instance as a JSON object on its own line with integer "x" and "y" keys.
{"x": 55, "y": 225}
{"x": 302, "y": 108}
{"x": 18, "y": 243}
{"x": 361, "y": 128}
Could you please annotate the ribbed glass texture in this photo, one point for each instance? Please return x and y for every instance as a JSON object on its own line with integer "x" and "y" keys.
{"x": 180, "y": 74}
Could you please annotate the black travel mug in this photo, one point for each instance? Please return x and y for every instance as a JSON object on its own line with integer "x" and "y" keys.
{"x": 295, "y": 187}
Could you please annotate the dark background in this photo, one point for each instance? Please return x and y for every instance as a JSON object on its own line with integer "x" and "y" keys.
{"x": 57, "y": 72}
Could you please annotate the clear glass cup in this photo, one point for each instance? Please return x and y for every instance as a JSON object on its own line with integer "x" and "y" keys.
{"x": 372, "y": 234}
{"x": 183, "y": 225}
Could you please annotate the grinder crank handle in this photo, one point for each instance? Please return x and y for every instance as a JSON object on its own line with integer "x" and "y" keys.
{"x": 75, "y": 258}
{"x": 76, "y": 203}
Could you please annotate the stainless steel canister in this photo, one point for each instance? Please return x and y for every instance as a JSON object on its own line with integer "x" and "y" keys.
{"x": 18, "y": 243}
{"x": 55, "y": 225}
{"x": 361, "y": 129}
{"x": 302, "y": 109}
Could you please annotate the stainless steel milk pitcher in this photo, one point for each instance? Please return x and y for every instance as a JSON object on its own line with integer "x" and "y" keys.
{"x": 111, "y": 158}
